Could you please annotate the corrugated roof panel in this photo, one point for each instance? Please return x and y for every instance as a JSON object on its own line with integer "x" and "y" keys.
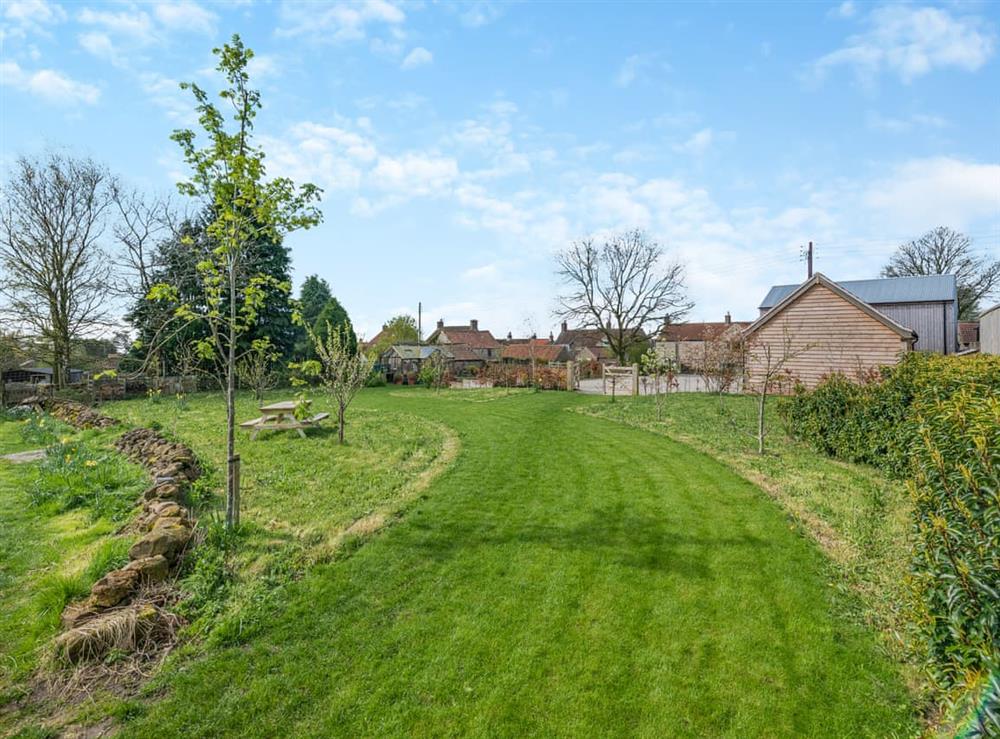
{"x": 888, "y": 290}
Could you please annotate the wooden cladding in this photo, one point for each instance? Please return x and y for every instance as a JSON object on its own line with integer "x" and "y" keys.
{"x": 827, "y": 334}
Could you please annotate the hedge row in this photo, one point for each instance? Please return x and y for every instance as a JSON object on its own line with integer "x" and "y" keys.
{"x": 935, "y": 421}
{"x": 876, "y": 422}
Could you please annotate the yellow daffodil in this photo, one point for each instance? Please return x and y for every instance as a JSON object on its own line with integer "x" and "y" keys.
{"x": 90, "y": 463}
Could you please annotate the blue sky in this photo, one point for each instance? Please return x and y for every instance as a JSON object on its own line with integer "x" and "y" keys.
{"x": 460, "y": 145}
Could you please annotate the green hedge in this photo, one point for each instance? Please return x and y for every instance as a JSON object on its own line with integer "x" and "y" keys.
{"x": 935, "y": 421}
{"x": 875, "y": 422}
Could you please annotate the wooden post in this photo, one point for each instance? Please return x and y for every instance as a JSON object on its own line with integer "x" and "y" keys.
{"x": 635, "y": 380}
{"x": 569, "y": 375}
{"x": 604, "y": 379}
{"x": 234, "y": 464}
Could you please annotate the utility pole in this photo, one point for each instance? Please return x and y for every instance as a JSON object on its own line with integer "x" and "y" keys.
{"x": 420, "y": 323}
{"x": 807, "y": 254}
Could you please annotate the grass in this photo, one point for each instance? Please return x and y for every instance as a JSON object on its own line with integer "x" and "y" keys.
{"x": 309, "y": 484}
{"x": 566, "y": 576}
{"x": 53, "y": 543}
{"x": 303, "y": 499}
{"x": 859, "y": 517}
{"x": 472, "y": 395}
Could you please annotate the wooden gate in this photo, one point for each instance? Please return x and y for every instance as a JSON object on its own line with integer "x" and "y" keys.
{"x": 620, "y": 376}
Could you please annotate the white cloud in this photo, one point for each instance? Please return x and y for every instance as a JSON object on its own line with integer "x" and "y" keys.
{"x": 485, "y": 271}
{"x": 846, "y": 9}
{"x": 133, "y": 27}
{"x": 911, "y": 42}
{"x": 48, "y": 84}
{"x": 630, "y": 69}
{"x": 414, "y": 174}
{"x": 698, "y": 143}
{"x": 417, "y": 58}
{"x": 185, "y": 15}
{"x": 166, "y": 93}
{"x": 923, "y": 193}
{"x": 341, "y": 21}
{"x": 263, "y": 66}
{"x": 480, "y": 13}
{"x": 100, "y": 45}
{"x": 32, "y": 13}
{"x": 895, "y": 124}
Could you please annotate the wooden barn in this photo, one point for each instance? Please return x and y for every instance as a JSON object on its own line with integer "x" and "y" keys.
{"x": 989, "y": 330}
{"x": 824, "y": 328}
{"x": 926, "y": 305}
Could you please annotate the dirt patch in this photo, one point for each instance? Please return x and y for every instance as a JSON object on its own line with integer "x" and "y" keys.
{"x": 24, "y": 457}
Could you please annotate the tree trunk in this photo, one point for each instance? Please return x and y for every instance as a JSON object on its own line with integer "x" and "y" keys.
{"x": 340, "y": 423}
{"x": 231, "y": 512}
{"x": 760, "y": 419}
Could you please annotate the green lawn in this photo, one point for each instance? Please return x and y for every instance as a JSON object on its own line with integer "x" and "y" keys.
{"x": 860, "y": 518}
{"x": 567, "y": 575}
{"x": 306, "y": 484}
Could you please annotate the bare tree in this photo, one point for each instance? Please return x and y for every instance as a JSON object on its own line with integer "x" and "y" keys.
{"x": 55, "y": 276}
{"x": 767, "y": 372}
{"x": 721, "y": 362}
{"x": 942, "y": 251}
{"x": 621, "y": 288}
{"x": 141, "y": 223}
{"x": 11, "y": 352}
{"x": 256, "y": 368}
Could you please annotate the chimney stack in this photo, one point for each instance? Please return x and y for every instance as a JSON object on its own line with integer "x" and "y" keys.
{"x": 564, "y": 327}
{"x": 440, "y": 323}
{"x": 729, "y": 318}
{"x": 509, "y": 336}
{"x": 552, "y": 339}
{"x": 474, "y": 324}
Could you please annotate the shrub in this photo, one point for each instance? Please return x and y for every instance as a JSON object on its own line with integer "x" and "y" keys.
{"x": 936, "y": 421}
{"x": 956, "y": 568}
{"x": 874, "y": 422}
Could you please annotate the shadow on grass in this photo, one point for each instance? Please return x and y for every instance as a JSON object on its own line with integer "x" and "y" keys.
{"x": 643, "y": 542}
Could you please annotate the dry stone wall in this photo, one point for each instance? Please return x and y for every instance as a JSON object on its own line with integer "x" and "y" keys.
{"x": 113, "y": 616}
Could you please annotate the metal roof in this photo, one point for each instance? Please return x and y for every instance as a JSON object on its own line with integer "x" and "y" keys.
{"x": 928, "y": 289}
{"x": 412, "y": 351}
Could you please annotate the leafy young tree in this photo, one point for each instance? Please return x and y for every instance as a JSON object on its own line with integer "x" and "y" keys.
{"x": 54, "y": 275}
{"x": 663, "y": 370}
{"x": 256, "y": 368}
{"x": 401, "y": 329}
{"x": 434, "y": 371}
{"x": 341, "y": 370}
{"x": 621, "y": 288}
{"x": 229, "y": 176}
{"x": 176, "y": 260}
{"x": 942, "y": 251}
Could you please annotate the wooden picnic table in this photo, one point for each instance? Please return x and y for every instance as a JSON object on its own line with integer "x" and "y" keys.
{"x": 280, "y": 416}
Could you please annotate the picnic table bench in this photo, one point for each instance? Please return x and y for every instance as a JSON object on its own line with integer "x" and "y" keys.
{"x": 281, "y": 417}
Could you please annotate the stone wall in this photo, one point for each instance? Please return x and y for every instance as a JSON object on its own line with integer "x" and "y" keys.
{"x": 114, "y": 616}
